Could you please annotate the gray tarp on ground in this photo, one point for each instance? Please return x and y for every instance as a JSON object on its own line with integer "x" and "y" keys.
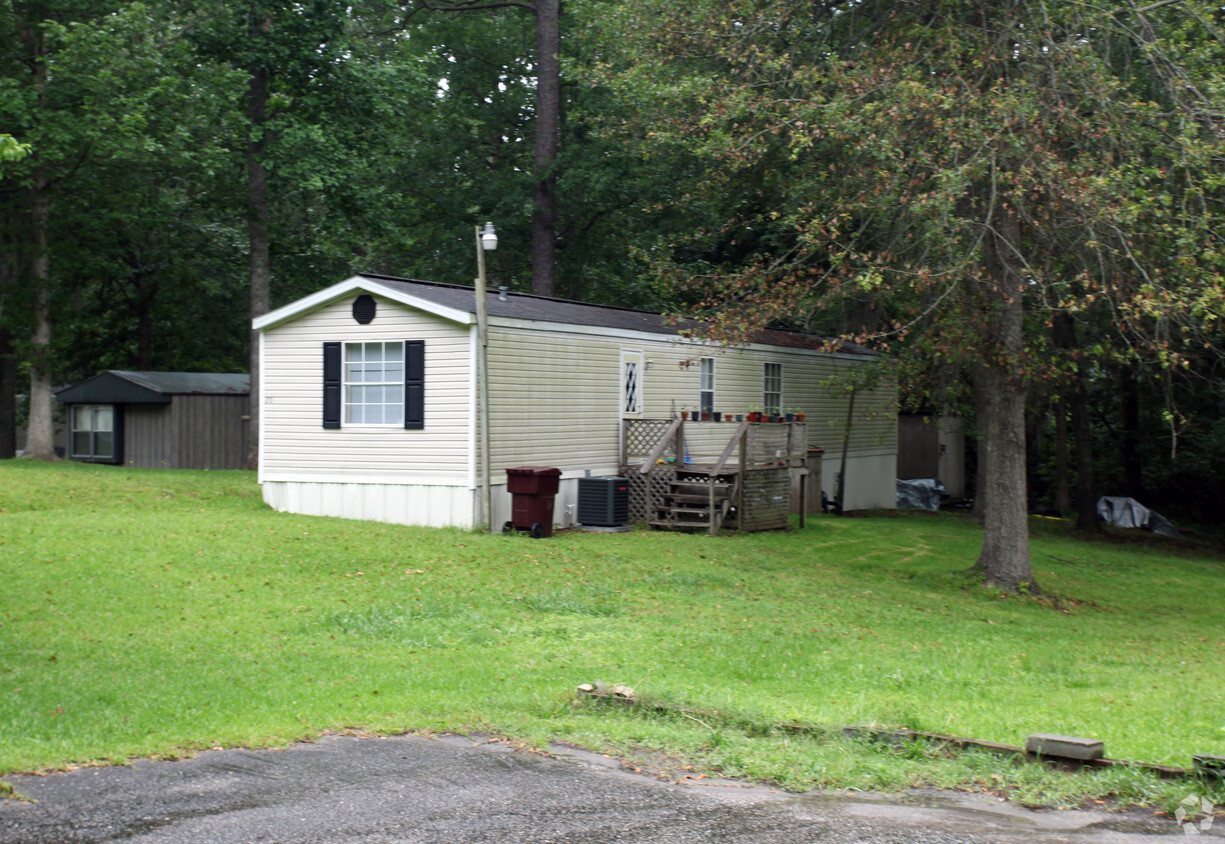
{"x": 1130, "y": 513}
{"x": 920, "y": 493}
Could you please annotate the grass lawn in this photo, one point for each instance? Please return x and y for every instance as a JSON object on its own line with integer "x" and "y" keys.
{"x": 151, "y": 613}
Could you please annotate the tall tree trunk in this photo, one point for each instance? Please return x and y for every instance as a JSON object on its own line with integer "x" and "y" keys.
{"x": 40, "y": 433}
{"x": 146, "y": 292}
{"x": 259, "y": 261}
{"x": 1063, "y": 497}
{"x": 1086, "y": 486}
{"x": 1004, "y": 561}
{"x": 1035, "y": 445}
{"x": 8, "y": 396}
{"x": 8, "y": 363}
{"x": 1129, "y": 390}
{"x": 981, "y": 469}
{"x": 1063, "y": 336}
{"x": 548, "y": 129}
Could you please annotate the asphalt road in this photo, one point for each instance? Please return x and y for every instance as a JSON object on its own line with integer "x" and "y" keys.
{"x": 460, "y": 790}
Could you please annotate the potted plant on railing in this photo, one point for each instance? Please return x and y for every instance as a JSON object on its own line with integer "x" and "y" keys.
{"x": 754, "y": 413}
{"x": 684, "y": 412}
{"x": 799, "y": 414}
{"x": 716, "y": 416}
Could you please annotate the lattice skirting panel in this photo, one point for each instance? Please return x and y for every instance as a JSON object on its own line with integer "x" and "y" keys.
{"x": 640, "y": 508}
{"x": 641, "y": 436}
{"x": 767, "y": 499}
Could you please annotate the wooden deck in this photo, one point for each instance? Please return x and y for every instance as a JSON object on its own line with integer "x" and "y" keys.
{"x": 747, "y": 487}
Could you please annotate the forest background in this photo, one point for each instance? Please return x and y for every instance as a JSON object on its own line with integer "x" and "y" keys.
{"x": 1020, "y": 202}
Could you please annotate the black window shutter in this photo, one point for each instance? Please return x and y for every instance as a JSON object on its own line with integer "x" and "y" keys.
{"x": 414, "y": 384}
{"x": 333, "y": 385}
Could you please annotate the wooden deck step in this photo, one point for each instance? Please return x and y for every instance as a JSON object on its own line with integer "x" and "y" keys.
{"x": 702, "y": 512}
{"x": 670, "y": 525}
{"x": 696, "y": 488}
{"x": 685, "y": 498}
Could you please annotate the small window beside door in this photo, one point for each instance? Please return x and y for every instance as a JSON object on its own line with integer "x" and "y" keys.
{"x": 706, "y": 385}
{"x": 772, "y": 389}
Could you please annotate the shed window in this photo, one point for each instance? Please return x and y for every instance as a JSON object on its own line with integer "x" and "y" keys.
{"x": 374, "y": 384}
{"x": 706, "y": 385}
{"x": 93, "y": 431}
{"x": 772, "y": 389}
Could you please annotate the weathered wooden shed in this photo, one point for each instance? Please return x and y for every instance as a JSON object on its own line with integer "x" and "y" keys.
{"x": 161, "y": 420}
{"x": 370, "y": 402}
{"x": 931, "y": 446}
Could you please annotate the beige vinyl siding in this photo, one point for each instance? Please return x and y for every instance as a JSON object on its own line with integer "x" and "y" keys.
{"x": 810, "y": 382}
{"x": 554, "y": 400}
{"x": 295, "y": 445}
{"x": 814, "y": 383}
{"x": 555, "y": 396}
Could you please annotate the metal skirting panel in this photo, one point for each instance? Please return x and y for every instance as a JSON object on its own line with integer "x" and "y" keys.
{"x": 426, "y": 506}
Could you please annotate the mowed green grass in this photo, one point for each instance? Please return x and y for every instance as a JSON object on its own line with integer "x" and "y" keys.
{"x": 148, "y": 612}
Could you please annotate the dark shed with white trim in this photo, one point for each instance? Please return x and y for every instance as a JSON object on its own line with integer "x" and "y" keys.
{"x": 168, "y": 420}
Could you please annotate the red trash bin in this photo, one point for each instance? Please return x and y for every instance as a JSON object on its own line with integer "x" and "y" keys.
{"x": 532, "y": 489}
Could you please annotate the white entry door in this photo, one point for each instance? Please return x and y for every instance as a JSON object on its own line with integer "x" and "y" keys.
{"x": 632, "y": 372}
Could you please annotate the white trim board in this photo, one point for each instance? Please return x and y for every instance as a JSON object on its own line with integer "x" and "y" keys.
{"x": 328, "y": 295}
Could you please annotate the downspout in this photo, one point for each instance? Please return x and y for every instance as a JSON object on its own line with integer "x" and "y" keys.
{"x": 482, "y": 383}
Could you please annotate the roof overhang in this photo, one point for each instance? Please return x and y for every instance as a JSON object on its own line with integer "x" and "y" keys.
{"x": 357, "y": 283}
{"x": 108, "y": 388}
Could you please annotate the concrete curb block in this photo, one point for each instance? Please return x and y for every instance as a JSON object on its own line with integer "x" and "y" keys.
{"x": 1067, "y": 751}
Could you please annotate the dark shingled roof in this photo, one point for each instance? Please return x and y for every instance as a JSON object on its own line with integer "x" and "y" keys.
{"x": 117, "y": 386}
{"x": 529, "y": 307}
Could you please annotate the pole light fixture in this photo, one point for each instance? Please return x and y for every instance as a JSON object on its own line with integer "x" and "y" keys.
{"x": 486, "y": 241}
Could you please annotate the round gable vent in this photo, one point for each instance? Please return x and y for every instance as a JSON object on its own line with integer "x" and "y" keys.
{"x": 364, "y": 308}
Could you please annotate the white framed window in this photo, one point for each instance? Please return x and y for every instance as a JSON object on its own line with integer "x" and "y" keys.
{"x": 374, "y": 384}
{"x": 93, "y": 432}
{"x": 706, "y": 385}
{"x": 772, "y": 389}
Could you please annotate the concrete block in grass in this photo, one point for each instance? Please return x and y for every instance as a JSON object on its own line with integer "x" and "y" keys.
{"x": 1209, "y": 764}
{"x": 1064, "y": 747}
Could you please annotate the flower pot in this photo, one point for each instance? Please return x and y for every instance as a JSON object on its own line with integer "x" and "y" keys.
{"x": 755, "y": 416}
{"x": 705, "y": 416}
{"x": 800, "y": 417}
{"x": 790, "y": 417}
{"x": 717, "y": 415}
{"x": 684, "y": 415}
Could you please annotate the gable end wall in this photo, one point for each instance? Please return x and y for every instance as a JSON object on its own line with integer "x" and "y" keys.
{"x": 295, "y": 446}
